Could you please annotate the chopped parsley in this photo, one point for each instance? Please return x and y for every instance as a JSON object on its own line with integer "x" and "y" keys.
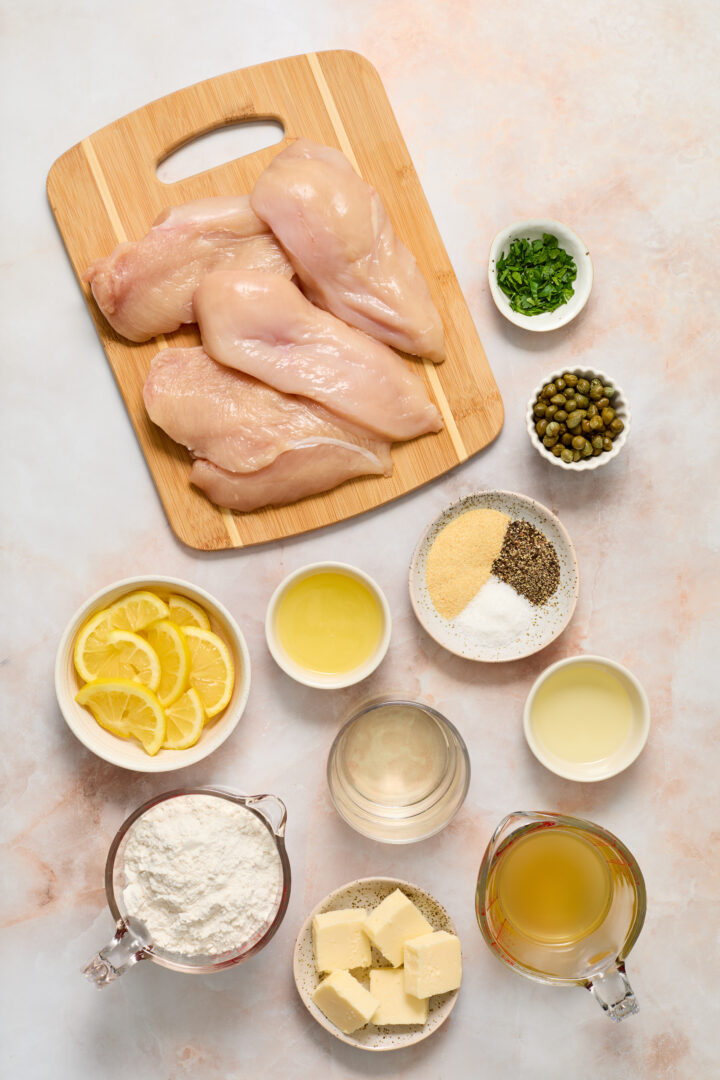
{"x": 536, "y": 275}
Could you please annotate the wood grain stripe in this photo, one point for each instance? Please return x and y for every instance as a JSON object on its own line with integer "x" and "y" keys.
{"x": 445, "y": 411}
{"x": 99, "y": 178}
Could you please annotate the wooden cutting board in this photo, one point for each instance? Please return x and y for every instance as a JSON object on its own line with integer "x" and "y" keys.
{"x": 105, "y": 190}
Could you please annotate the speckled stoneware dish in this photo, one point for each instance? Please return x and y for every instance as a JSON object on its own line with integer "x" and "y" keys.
{"x": 551, "y": 618}
{"x": 368, "y": 893}
{"x": 619, "y": 404}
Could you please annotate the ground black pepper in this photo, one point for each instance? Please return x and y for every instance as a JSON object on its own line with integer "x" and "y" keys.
{"x": 528, "y": 562}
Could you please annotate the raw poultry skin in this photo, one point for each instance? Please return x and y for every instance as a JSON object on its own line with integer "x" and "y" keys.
{"x": 146, "y": 287}
{"x": 261, "y": 324}
{"x": 257, "y": 446}
{"x": 342, "y": 245}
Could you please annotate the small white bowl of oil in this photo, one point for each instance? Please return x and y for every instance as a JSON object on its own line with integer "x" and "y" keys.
{"x": 586, "y": 718}
{"x": 328, "y": 625}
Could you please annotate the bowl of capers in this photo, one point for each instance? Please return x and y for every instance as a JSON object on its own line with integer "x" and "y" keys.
{"x": 578, "y": 419}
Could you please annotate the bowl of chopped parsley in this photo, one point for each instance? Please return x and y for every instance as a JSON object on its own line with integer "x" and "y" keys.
{"x": 540, "y": 274}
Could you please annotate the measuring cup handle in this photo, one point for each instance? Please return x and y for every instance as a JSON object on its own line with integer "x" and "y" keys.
{"x": 280, "y": 808}
{"x": 613, "y": 993}
{"x": 126, "y": 949}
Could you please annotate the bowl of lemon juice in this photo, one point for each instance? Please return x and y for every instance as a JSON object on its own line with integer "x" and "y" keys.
{"x": 586, "y": 718}
{"x": 328, "y": 625}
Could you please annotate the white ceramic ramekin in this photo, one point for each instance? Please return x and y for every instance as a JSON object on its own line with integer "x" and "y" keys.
{"x": 619, "y": 404}
{"x": 314, "y": 678}
{"x": 127, "y": 753}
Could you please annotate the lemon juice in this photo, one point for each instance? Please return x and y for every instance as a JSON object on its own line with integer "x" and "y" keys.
{"x": 582, "y": 713}
{"x": 329, "y": 623}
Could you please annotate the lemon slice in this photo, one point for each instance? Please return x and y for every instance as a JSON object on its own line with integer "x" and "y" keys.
{"x": 91, "y": 644}
{"x": 185, "y": 719}
{"x": 137, "y": 610}
{"x": 123, "y": 655}
{"x": 169, "y": 643}
{"x": 126, "y": 709}
{"x": 211, "y": 669}
{"x": 184, "y": 612}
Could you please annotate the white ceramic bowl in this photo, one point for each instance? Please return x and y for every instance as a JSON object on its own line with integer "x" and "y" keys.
{"x": 551, "y": 618}
{"x": 314, "y": 678}
{"x": 127, "y": 753}
{"x": 619, "y": 404}
{"x": 623, "y": 757}
{"x": 368, "y": 893}
{"x": 533, "y": 229}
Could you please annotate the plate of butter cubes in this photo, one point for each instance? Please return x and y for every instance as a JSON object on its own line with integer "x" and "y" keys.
{"x": 378, "y": 964}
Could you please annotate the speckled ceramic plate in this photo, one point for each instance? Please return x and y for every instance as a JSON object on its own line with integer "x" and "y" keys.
{"x": 368, "y": 893}
{"x": 548, "y": 621}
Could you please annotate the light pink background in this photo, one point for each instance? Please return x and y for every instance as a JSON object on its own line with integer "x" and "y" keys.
{"x": 601, "y": 114}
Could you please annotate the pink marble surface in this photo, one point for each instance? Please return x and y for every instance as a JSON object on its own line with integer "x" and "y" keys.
{"x": 604, "y": 115}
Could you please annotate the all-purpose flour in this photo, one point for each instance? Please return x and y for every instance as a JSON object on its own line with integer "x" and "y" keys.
{"x": 202, "y": 873}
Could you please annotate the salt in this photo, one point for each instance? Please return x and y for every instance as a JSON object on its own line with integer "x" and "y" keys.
{"x": 495, "y": 616}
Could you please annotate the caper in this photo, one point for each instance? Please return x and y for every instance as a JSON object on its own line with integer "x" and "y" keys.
{"x": 596, "y": 424}
{"x": 548, "y": 390}
{"x": 560, "y": 383}
{"x": 576, "y": 455}
{"x": 603, "y": 403}
{"x": 574, "y": 418}
{"x": 592, "y": 410}
{"x": 587, "y": 449}
{"x": 583, "y": 386}
{"x": 550, "y": 441}
{"x": 566, "y": 439}
{"x": 597, "y": 452}
{"x": 595, "y": 393}
{"x": 608, "y": 415}
{"x": 585, "y": 426}
{"x": 557, "y": 449}
{"x": 595, "y": 382}
{"x": 567, "y": 455}
{"x": 550, "y": 411}
{"x": 541, "y": 427}
{"x": 570, "y": 379}
{"x": 607, "y": 443}
{"x": 616, "y": 426}
{"x": 571, "y": 405}
{"x": 552, "y": 429}
{"x": 597, "y": 442}
{"x": 557, "y": 399}
{"x": 539, "y": 408}
{"x": 583, "y": 401}
{"x": 609, "y": 391}
{"x": 561, "y": 415}
{"x": 578, "y": 442}
{"x": 563, "y": 429}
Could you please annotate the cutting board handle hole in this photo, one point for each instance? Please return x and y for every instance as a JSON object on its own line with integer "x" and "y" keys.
{"x": 219, "y": 147}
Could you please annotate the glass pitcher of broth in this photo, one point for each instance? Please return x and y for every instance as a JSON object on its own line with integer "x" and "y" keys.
{"x": 562, "y": 901}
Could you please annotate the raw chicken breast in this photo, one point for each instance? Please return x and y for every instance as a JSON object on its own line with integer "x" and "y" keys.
{"x": 293, "y": 475}
{"x": 262, "y": 324}
{"x": 146, "y": 287}
{"x": 242, "y": 425}
{"x": 342, "y": 245}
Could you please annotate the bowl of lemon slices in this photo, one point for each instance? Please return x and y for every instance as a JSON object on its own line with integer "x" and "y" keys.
{"x": 152, "y": 674}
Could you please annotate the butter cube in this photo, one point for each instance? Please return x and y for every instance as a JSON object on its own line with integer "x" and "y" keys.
{"x": 346, "y": 1003}
{"x": 396, "y": 1005}
{"x": 338, "y": 940}
{"x": 392, "y": 923}
{"x": 432, "y": 964}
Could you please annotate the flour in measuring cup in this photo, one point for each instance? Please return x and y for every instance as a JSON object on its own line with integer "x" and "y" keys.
{"x": 202, "y": 873}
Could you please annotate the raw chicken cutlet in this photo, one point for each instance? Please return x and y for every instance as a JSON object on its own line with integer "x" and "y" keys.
{"x": 293, "y": 475}
{"x": 145, "y": 288}
{"x": 256, "y": 446}
{"x": 341, "y": 243}
{"x": 241, "y": 424}
{"x": 262, "y": 324}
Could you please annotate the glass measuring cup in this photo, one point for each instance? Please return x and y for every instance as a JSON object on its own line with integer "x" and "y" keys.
{"x": 133, "y": 943}
{"x": 520, "y": 911}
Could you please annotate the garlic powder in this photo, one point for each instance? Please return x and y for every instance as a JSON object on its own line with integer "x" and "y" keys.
{"x": 202, "y": 873}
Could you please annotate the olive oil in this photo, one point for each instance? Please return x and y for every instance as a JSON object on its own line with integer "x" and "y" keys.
{"x": 582, "y": 713}
{"x": 329, "y": 623}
